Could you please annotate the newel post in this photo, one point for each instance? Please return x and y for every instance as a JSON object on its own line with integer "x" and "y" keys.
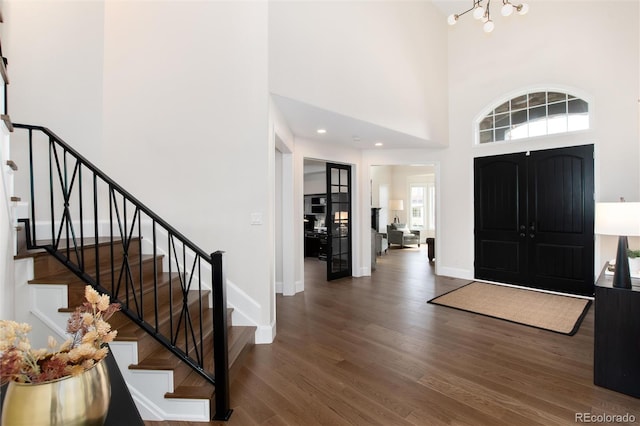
{"x": 220, "y": 345}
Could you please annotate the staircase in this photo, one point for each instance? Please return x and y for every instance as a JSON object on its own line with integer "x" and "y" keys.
{"x": 176, "y": 347}
{"x": 163, "y": 386}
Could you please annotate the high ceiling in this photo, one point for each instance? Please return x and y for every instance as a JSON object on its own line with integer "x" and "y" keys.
{"x": 304, "y": 120}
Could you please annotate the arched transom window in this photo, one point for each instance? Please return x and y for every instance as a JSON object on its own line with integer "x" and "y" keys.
{"x": 534, "y": 114}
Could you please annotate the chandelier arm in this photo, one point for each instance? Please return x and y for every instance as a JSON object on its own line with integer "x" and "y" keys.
{"x": 466, "y": 11}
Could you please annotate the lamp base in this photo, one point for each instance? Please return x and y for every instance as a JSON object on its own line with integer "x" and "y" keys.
{"x": 621, "y": 275}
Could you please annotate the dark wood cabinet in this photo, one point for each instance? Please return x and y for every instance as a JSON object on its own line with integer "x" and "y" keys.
{"x": 315, "y": 245}
{"x": 617, "y": 336}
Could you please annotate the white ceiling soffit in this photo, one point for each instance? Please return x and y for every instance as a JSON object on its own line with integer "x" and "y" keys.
{"x": 304, "y": 120}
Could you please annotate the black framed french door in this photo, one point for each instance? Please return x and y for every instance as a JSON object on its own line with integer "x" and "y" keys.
{"x": 338, "y": 221}
{"x": 534, "y": 216}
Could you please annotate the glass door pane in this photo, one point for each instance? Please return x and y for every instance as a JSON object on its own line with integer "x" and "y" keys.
{"x": 339, "y": 221}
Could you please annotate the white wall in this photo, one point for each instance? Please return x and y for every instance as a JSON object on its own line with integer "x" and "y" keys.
{"x": 381, "y": 62}
{"x": 186, "y": 98}
{"x": 55, "y": 55}
{"x": 170, "y": 99}
{"x": 7, "y": 302}
{"x": 7, "y": 249}
{"x": 590, "y": 48}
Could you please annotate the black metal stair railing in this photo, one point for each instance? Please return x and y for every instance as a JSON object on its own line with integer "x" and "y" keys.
{"x": 82, "y": 207}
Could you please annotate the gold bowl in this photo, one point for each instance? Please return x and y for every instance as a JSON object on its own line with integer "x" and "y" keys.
{"x": 69, "y": 401}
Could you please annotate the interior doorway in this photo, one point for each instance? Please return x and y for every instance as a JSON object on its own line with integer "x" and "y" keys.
{"x": 328, "y": 216}
{"x": 404, "y": 195}
{"x": 284, "y": 241}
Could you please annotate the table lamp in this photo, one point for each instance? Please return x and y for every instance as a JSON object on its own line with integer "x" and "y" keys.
{"x": 396, "y": 206}
{"x": 621, "y": 219}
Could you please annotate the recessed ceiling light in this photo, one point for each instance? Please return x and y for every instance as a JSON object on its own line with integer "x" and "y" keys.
{"x": 379, "y": 144}
{"x": 321, "y": 131}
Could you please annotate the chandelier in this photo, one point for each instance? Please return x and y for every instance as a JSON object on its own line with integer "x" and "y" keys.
{"x": 484, "y": 14}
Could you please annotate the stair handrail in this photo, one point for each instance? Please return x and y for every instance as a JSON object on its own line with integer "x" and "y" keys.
{"x": 220, "y": 378}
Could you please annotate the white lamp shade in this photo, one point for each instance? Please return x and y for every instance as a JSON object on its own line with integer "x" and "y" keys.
{"x": 341, "y": 217}
{"x": 396, "y": 205}
{"x": 620, "y": 219}
{"x": 507, "y": 9}
{"x": 488, "y": 26}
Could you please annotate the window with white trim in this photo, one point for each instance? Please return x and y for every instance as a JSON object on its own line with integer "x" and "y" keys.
{"x": 422, "y": 208}
{"x": 534, "y": 114}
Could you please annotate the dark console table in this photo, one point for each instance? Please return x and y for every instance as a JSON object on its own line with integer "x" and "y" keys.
{"x": 617, "y": 336}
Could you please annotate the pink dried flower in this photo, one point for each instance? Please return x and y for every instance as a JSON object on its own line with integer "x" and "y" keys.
{"x": 88, "y": 328}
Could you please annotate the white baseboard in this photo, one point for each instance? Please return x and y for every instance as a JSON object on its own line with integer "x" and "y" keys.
{"x": 365, "y": 271}
{"x": 464, "y": 274}
{"x": 247, "y": 311}
{"x": 265, "y": 334}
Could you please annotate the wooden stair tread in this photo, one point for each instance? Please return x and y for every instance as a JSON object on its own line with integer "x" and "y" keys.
{"x": 55, "y": 278}
{"x": 239, "y": 338}
{"x": 192, "y": 392}
{"x": 89, "y": 243}
{"x": 152, "y": 354}
{"x": 156, "y": 364}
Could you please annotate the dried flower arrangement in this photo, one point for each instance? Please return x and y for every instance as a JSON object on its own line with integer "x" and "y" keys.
{"x": 88, "y": 328}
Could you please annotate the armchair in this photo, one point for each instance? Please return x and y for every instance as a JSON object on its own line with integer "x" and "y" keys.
{"x": 399, "y": 233}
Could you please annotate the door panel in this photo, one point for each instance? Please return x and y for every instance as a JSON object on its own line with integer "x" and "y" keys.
{"x": 534, "y": 219}
{"x": 561, "y": 187}
{"x": 338, "y": 221}
{"x": 501, "y": 252}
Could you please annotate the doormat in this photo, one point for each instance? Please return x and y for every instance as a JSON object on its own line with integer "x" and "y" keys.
{"x": 558, "y": 313}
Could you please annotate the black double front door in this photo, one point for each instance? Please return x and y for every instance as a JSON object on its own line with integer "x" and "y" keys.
{"x": 534, "y": 215}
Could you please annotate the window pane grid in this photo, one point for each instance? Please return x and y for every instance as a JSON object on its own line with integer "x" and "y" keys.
{"x": 534, "y": 114}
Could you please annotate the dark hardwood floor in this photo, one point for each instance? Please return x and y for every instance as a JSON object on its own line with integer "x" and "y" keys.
{"x": 371, "y": 351}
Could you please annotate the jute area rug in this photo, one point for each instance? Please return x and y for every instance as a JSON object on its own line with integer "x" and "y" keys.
{"x": 558, "y": 313}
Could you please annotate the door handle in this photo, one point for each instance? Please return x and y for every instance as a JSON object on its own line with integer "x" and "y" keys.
{"x": 523, "y": 230}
